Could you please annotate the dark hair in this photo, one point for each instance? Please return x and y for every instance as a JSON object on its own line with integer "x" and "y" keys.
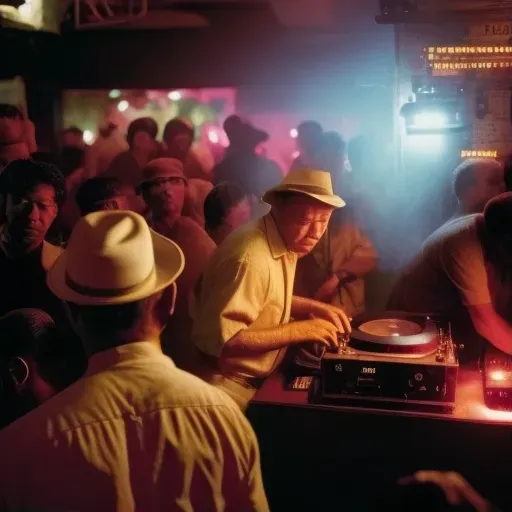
{"x": 219, "y": 201}
{"x": 20, "y": 176}
{"x": 46, "y": 157}
{"x": 105, "y": 322}
{"x": 175, "y": 127}
{"x": 465, "y": 174}
{"x": 74, "y": 130}
{"x": 310, "y": 129}
{"x": 95, "y": 190}
{"x": 143, "y": 124}
{"x": 23, "y": 332}
{"x": 10, "y": 111}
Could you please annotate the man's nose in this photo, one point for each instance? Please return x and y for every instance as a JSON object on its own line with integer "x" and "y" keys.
{"x": 317, "y": 229}
{"x": 32, "y": 212}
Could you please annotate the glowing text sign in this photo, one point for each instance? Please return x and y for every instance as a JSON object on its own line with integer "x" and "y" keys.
{"x": 472, "y": 153}
{"x": 455, "y": 59}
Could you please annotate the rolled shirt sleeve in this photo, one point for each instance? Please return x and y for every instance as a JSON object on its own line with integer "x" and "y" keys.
{"x": 462, "y": 259}
{"x": 231, "y": 303}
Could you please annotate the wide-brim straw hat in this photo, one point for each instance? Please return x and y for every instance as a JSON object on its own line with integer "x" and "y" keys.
{"x": 113, "y": 257}
{"x": 311, "y": 183}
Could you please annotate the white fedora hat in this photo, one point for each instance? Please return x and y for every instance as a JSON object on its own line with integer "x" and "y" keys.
{"x": 113, "y": 257}
{"x": 312, "y": 183}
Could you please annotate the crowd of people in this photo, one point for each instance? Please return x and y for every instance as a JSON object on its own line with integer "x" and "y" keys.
{"x": 147, "y": 297}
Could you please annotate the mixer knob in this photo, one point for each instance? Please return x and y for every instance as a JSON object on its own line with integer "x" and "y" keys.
{"x": 418, "y": 377}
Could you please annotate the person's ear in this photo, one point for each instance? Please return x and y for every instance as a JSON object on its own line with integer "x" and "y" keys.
{"x": 19, "y": 371}
{"x": 164, "y": 306}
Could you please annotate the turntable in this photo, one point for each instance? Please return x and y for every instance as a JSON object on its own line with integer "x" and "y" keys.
{"x": 394, "y": 358}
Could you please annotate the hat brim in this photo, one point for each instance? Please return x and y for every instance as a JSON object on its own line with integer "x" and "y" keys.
{"x": 169, "y": 264}
{"x": 331, "y": 200}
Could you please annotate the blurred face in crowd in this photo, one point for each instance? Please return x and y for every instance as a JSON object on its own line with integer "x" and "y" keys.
{"x": 165, "y": 197}
{"x": 111, "y": 203}
{"x": 489, "y": 182}
{"x": 12, "y": 130}
{"x": 301, "y": 221}
{"x": 235, "y": 217}
{"x": 144, "y": 143}
{"x": 179, "y": 145}
{"x": 29, "y": 216}
{"x": 73, "y": 139}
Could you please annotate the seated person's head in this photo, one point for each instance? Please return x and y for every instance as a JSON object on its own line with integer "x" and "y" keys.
{"x": 475, "y": 181}
{"x": 73, "y": 137}
{"x": 12, "y": 129}
{"x": 225, "y": 208}
{"x": 163, "y": 187}
{"x": 13, "y": 142}
{"x": 133, "y": 303}
{"x": 33, "y": 361}
{"x": 31, "y": 194}
{"x": 178, "y": 137}
{"x": 101, "y": 193}
{"x": 309, "y": 137}
{"x": 141, "y": 135}
{"x": 302, "y": 206}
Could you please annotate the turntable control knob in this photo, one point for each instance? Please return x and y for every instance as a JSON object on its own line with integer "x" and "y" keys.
{"x": 418, "y": 377}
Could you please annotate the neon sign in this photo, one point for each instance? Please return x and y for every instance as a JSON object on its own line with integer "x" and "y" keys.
{"x": 477, "y": 153}
{"x": 449, "y": 60}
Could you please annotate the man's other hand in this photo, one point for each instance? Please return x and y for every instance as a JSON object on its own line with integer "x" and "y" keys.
{"x": 456, "y": 489}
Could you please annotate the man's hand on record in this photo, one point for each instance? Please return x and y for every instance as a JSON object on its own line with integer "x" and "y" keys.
{"x": 456, "y": 489}
{"x": 323, "y": 332}
{"x": 334, "y": 315}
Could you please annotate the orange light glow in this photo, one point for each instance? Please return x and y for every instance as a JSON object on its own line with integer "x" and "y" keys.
{"x": 471, "y": 65}
{"x": 498, "y": 375}
{"x": 478, "y": 153}
{"x": 469, "y": 50}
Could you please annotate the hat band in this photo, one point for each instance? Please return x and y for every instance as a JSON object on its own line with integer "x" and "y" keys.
{"x": 306, "y": 189}
{"x": 106, "y": 292}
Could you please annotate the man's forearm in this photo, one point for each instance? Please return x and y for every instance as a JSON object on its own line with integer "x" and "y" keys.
{"x": 302, "y": 307}
{"x": 491, "y": 326}
{"x": 258, "y": 341}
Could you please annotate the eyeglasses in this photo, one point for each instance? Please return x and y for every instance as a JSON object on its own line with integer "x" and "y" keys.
{"x": 26, "y": 204}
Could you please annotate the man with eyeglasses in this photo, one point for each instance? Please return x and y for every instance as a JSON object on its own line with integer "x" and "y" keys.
{"x": 30, "y": 196}
{"x": 163, "y": 188}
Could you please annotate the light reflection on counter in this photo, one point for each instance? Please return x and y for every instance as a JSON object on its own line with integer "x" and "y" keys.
{"x": 469, "y": 402}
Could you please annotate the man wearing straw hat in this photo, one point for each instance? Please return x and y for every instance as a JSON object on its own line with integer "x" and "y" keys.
{"x": 245, "y": 300}
{"x": 135, "y": 433}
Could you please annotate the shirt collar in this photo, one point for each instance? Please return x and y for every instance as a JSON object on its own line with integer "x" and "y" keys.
{"x": 130, "y": 352}
{"x": 275, "y": 242}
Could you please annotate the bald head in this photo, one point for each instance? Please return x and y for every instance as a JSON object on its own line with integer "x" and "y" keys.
{"x": 476, "y": 181}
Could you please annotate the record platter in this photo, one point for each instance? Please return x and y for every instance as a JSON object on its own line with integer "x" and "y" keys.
{"x": 396, "y": 358}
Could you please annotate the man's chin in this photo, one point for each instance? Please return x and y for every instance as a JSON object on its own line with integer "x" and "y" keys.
{"x": 303, "y": 251}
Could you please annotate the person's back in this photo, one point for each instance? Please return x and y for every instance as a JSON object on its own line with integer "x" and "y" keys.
{"x": 135, "y": 433}
{"x": 439, "y": 278}
{"x": 141, "y": 434}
